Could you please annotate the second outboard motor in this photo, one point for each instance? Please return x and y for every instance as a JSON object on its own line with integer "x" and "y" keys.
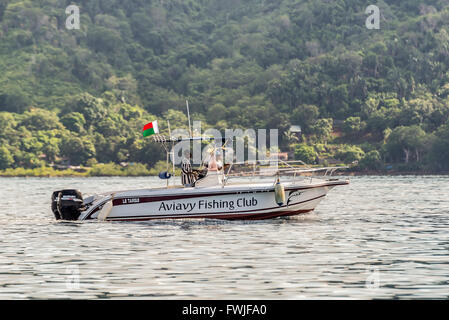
{"x": 67, "y": 204}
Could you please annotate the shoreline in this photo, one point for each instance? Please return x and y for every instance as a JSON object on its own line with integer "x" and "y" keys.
{"x": 75, "y": 174}
{"x": 395, "y": 173}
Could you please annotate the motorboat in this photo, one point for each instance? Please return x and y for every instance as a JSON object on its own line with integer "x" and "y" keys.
{"x": 217, "y": 195}
{"x": 230, "y": 201}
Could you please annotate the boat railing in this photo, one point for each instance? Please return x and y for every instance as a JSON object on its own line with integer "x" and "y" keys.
{"x": 296, "y": 168}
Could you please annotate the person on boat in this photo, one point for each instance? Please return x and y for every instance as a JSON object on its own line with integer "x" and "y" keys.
{"x": 213, "y": 165}
{"x": 187, "y": 174}
{"x": 219, "y": 159}
{"x": 217, "y": 162}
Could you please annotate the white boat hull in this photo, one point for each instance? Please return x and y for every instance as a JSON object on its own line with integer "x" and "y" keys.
{"x": 228, "y": 202}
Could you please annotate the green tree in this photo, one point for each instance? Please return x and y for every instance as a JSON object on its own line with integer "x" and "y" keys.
{"x": 306, "y": 154}
{"x": 177, "y": 119}
{"x": 349, "y": 154}
{"x": 216, "y": 113}
{"x": 306, "y": 116}
{"x": 6, "y": 159}
{"x": 353, "y": 126}
{"x": 93, "y": 109}
{"x": 371, "y": 161}
{"x": 77, "y": 150}
{"x": 440, "y": 148}
{"x": 39, "y": 119}
{"x": 3, "y": 6}
{"x": 14, "y": 99}
{"x": 265, "y": 66}
{"x": 323, "y": 129}
{"x": 74, "y": 121}
{"x": 406, "y": 142}
{"x": 29, "y": 160}
{"x": 7, "y": 124}
{"x": 103, "y": 39}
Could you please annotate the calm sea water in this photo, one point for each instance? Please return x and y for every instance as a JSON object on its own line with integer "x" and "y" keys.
{"x": 379, "y": 237}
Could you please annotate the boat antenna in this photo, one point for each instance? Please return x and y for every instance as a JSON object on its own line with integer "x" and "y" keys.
{"x": 169, "y": 152}
{"x": 188, "y": 116}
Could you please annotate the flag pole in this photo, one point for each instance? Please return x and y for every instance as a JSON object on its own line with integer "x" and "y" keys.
{"x": 172, "y": 152}
{"x": 168, "y": 153}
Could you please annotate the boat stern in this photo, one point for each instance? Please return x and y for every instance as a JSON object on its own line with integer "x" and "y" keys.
{"x": 67, "y": 204}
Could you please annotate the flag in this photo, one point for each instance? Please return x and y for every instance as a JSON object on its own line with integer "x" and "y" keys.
{"x": 150, "y": 129}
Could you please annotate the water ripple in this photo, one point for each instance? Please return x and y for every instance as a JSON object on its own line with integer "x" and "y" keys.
{"x": 379, "y": 237}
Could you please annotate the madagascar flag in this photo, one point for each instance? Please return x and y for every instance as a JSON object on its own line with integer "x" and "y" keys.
{"x": 150, "y": 129}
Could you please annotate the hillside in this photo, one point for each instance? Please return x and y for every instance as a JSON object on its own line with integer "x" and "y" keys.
{"x": 83, "y": 95}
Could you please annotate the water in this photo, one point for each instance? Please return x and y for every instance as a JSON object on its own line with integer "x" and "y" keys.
{"x": 379, "y": 237}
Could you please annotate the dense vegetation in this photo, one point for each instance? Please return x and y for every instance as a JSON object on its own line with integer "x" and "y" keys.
{"x": 81, "y": 96}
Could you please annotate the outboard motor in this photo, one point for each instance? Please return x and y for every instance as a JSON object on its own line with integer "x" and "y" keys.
{"x": 67, "y": 204}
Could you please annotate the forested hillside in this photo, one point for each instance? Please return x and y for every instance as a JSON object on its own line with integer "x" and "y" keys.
{"x": 84, "y": 95}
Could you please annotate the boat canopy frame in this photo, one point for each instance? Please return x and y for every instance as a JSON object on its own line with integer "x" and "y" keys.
{"x": 168, "y": 144}
{"x": 281, "y": 167}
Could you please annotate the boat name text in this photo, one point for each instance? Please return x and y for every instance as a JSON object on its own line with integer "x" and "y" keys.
{"x": 208, "y": 204}
{"x": 130, "y": 200}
